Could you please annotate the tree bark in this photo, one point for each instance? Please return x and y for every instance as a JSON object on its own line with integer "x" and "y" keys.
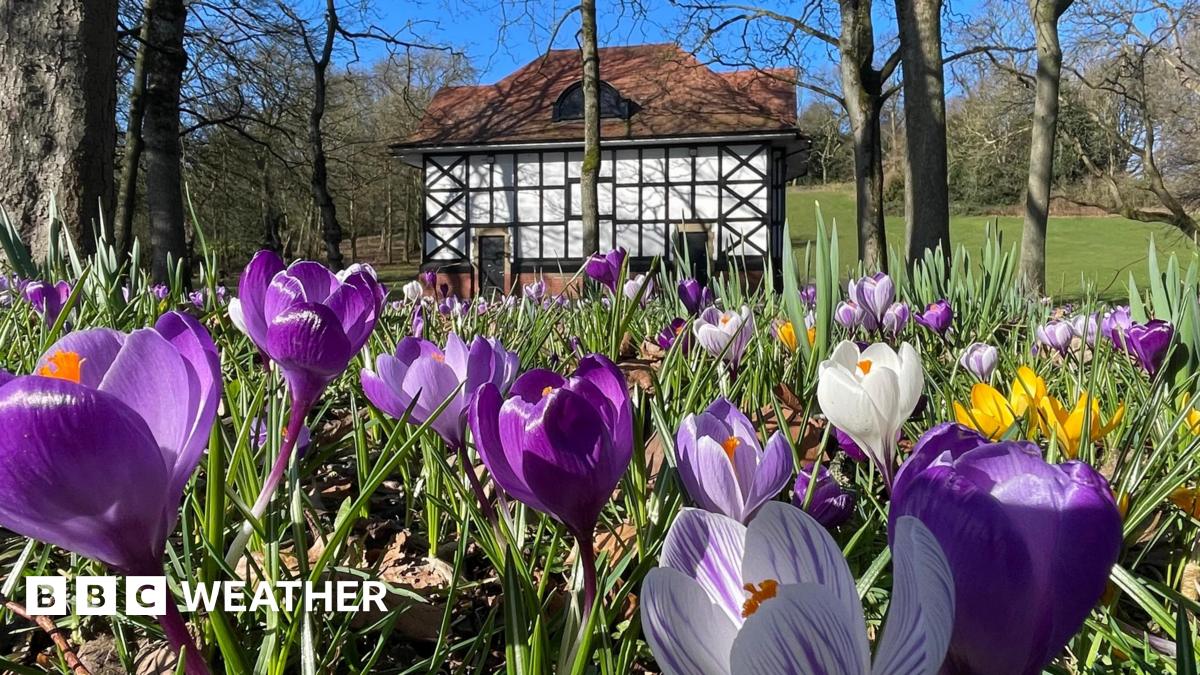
{"x": 58, "y": 94}
{"x": 268, "y": 204}
{"x": 331, "y": 231}
{"x": 862, "y": 89}
{"x": 165, "y": 63}
{"x": 1045, "y": 14}
{"x": 927, "y": 212}
{"x": 590, "y": 170}
{"x": 127, "y": 198}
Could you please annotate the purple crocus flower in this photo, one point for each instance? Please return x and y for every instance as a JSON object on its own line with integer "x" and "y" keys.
{"x": 829, "y": 504}
{"x": 895, "y": 318}
{"x": 536, "y": 289}
{"x": 428, "y": 278}
{"x": 420, "y": 371}
{"x": 937, "y": 317}
{"x": 848, "y": 446}
{"x": 1116, "y": 324}
{"x": 694, "y": 296}
{"x": 1085, "y": 327}
{"x": 724, "y": 467}
{"x": 197, "y": 298}
{"x": 725, "y": 334}
{"x": 1056, "y": 335}
{"x": 310, "y": 322}
{"x": 160, "y": 291}
{"x": 48, "y": 299}
{"x": 101, "y": 441}
{"x": 1148, "y": 343}
{"x": 1030, "y": 544}
{"x": 675, "y": 331}
{"x": 452, "y": 306}
{"x": 776, "y": 597}
{"x": 808, "y": 295}
{"x": 848, "y": 314}
{"x": 418, "y": 321}
{"x": 980, "y": 359}
{"x": 875, "y": 294}
{"x": 606, "y": 268}
{"x": 640, "y": 283}
{"x": 559, "y": 445}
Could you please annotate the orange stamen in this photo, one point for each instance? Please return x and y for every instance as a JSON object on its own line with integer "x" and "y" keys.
{"x": 765, "y": 591}
{"x": 62, "y": 366}
{"x": 725, "y": 319}
{"x": 730, "y": 445}
{"x": 546, "y": 391}
{"x": 864, "y": 366}
{"x": 440, "y": 358}
{"x": 679, "y": 329}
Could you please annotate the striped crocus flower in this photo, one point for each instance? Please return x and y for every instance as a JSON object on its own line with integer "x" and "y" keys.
{"x": 776, "y": 597}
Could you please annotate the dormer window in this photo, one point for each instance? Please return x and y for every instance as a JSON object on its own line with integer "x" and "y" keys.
{"x": 569, "y": 105}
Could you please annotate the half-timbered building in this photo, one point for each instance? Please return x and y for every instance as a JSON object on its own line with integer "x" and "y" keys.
{"x": 690, "y": 157}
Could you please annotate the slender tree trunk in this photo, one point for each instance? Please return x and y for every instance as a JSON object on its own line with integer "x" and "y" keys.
{"x": 271, "y": 216}
{"x": 58, "y": 95}
{"x": 165, "y": 63}
{"x": 331, "y": 231}
{"x": 862, "y": 93}
{"x": 127, "y": 199}
{"x": 1045, "y": 14}
{"x": 388, "y": 222}
{"x": 928, "y": 211}
{"x": 590, "y": 170}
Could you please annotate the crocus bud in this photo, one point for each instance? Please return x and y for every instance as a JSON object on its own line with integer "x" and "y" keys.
{"x": 606, "y": 268}
{"x": 427, "y": 278}
{"x": 1056, "y": 335}
{"x": 1030, "y": 544}
{"x": 535, "y": 289}
{"x": 694, "y": 296}
{"x": 1085, "y": 327}
{"x": 848, "y": 314}
{"x": 675, "y": 332}
{"x": 1116, "y": 324}
{"x": 1148, "y": 343}
{"x": 808, "y": 295}
{"x": 47, "y": 299}
{"x": 828, "y": 503}
{"x": 875, "y": 293}
{"x": 895, "y": 318}
{"x": 413, "y": 291}
{"x": 724, "y": 466}
{"x": 980, "y": 359}
{"x": 638, "y": 283}
{"x": 937, "y": 317}
{"x": 558, "y": 444}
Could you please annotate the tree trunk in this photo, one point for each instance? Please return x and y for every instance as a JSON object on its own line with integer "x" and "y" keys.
{"x": 928, "y": 211}
{"x": 589, "y": 172}
{"x": 271, "y": 216}
{"x": 862, "y": 94}
{"x": 58, "y": 92}
{"x": 388, "y": 222}
{"x": 1045, "y": 14}
{"x": 165, "y": 63}
{"x": 331, "y": 231}
{"x": 130, "y": 163}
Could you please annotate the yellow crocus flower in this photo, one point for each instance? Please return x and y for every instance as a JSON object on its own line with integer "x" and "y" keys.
{"x": 1067, "y": 425}
{"x": 1191, "y": 416}
{"x": 991, "y": 414}
{"x": 1025, "y": 396}
{"x": 787, "y": 335}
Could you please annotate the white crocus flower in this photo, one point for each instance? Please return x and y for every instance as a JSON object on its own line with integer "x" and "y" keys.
{"x": 870, "y": 394}
{"x": 413, "y": 291}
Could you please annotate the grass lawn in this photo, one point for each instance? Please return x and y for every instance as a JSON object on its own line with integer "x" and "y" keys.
{"x": 1099, "y": 249}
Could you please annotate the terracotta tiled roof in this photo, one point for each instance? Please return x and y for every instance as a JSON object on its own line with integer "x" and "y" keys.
{"x": 676, "y": 93}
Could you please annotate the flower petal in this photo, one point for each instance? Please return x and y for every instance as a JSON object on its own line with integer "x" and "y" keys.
{"x": 773, "y": 473}
{"x": 921, "y": 612}
{"x": 79, "y": 469}
{"x": 709, "y": 548}
{"x": 803, "y": 630}
{"x": 688, "y": 634}
{"x": 788, "y": 545}
{"x": 252, "y": 292}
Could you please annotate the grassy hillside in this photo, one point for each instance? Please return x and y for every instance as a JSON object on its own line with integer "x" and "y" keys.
{"x": 1102, "y": 250}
